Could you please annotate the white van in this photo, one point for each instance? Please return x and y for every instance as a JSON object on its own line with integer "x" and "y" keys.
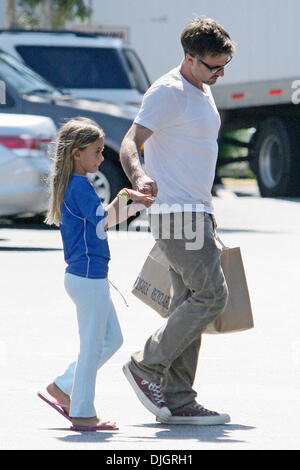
{"x": 88, "y": 65}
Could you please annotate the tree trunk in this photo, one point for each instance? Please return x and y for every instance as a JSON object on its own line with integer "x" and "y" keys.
{"x": 46, "y": 14}
{"x": 10, "y": 14}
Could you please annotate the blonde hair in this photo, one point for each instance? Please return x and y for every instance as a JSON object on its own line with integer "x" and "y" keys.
{"x": 77, "y": 133}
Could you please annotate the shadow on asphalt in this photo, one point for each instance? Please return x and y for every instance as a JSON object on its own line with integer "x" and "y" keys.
{"x": 25, "y": 248}
{"x": 290, "y": 199}
{"x": 41, "y": 226}
{"x": 214, "y": 434}
{"x": 36, "y": 223}
{"x": 245, "y": 194}
{"x": 248, "y": 230}
{"x": 26, "y": 225}
{"x": 257, "y": 196}
{"x": 85, "y": 436}
{"x": 29, "y": 225}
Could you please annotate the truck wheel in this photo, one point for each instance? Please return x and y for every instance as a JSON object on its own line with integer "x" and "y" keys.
{"x": 108, "y": 181}
{"x": 276, "y": 160}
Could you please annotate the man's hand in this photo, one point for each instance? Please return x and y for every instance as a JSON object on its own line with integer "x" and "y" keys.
{"x": 139, "y": 197}
{"x": 147, "y": 186}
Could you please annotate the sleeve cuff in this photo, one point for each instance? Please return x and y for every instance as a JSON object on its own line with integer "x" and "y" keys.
{"x": 148, "y": 125}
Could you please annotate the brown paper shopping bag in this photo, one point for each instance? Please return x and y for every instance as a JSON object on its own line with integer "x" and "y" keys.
{"x": 153, "y": 287}
{"x": 153, "y": 284}
{"x": 237, "y": 315}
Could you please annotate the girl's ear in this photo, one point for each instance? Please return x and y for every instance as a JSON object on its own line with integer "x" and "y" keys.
{"x": 75, "y": 153}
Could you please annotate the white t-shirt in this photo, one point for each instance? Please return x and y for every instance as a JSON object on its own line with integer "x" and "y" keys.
{"x": 181, "y": 154}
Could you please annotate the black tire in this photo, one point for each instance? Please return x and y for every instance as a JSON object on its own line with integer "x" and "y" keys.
{"x": 276, "y": 159}
{"x": 109, "y": 180}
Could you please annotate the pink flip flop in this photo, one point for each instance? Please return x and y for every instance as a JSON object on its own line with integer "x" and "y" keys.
{"x": 57, "y": 406}
{"x": 102, "y": 426}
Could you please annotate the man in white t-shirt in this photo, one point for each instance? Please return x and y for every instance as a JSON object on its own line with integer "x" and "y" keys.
{"x": 178, "y": 123}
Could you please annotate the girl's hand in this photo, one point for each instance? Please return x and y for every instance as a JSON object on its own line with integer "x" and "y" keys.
{"x": 118, "y": 210}
{"x": 145, "y": 199}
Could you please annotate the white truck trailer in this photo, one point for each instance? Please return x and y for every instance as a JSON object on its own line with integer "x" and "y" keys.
{"x": 262, "y": 90}
{"x": 261, "y": 87}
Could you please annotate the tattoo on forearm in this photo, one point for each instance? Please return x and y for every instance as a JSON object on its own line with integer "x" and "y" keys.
{"x": 130, "y": 160}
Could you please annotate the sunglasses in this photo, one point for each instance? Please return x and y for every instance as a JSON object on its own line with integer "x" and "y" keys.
{"x": 214, "y": 69}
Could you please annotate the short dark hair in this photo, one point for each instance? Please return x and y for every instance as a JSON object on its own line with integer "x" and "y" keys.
{"x": 205, "y": 36}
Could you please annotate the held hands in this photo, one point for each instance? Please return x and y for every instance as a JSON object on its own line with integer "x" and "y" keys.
{"x": 118, "y": 210}
{"x": 147, "y": 186}
{"x": 139, "y": 197}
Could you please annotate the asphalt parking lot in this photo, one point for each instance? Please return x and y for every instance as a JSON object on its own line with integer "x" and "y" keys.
{"x": 254, "y": 375}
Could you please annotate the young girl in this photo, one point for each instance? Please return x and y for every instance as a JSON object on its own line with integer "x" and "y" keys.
{"x": 76, "y": 208}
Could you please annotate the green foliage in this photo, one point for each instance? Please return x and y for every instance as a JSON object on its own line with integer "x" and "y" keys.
{"x": 243, "y": 135}
{"x": 68, "y": 10}
{"x": 29, "y": 3}
{"x": 61, "y": 12}
{"x": 28, "y": 18}
{"x": 238, "y": 169}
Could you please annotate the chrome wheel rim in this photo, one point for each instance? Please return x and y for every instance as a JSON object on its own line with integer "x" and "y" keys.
{"x": 271, "y": 161}
{"x": 101, "y": 185}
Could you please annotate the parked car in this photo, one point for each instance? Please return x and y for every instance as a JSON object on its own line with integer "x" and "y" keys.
{"x": 90, "y": 66}
{"x": 28, "y": 93}
{"x": 24, "y": 163}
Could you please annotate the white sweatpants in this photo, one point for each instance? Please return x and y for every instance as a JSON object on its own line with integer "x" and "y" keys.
{"x": 100, "y": 337}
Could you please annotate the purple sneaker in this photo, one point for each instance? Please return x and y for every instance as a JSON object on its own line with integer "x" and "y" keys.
{"x": 196, "y": 414}
{"x": 148, "y": 393}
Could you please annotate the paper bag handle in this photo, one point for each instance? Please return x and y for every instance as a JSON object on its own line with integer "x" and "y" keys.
{"x": 224, "y": 247}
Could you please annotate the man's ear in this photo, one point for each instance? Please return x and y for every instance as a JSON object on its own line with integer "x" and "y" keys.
{"x": 189, "y": 58}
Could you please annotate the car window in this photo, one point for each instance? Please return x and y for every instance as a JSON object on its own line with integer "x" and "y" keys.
{"x": 137, "y": 71}
{"x": 77, "y": 67}
{"x": 8, "y": 103}
{"x": 21, "y": 77}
